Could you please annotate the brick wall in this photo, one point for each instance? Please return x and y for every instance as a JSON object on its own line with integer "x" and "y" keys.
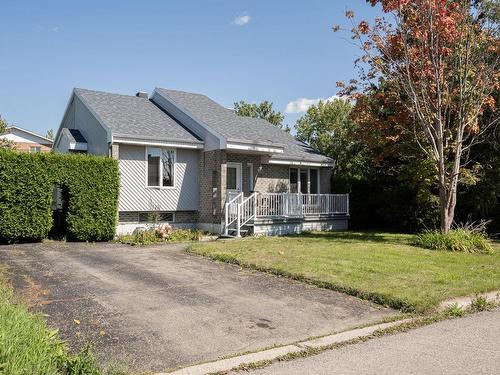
{"x": 212, "y": 181}
{"x": 266, "y": 177}
{"x": 25, "y": 146}
{"x": 186, "y": 216}
{"x": 244, "y": 159}
{"x": 115, "y": 151}
{"x": 272, "y": 178}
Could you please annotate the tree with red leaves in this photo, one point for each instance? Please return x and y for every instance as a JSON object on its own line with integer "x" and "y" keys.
{"x": 442, "y": 59}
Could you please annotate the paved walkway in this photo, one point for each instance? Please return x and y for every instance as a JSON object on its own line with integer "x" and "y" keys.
{"x": 469, "y": 345}
{"x": 159, "y": 307}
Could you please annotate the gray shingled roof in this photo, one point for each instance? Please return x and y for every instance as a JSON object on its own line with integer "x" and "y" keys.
{"x": 237, "y": 128}
{"x": 135, "y": 117}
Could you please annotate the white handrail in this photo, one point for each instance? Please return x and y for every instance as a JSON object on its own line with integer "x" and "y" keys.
{"x": 299, "y": 205}
{"x": 239, "y": 210}
{"x": 231, "y": 213}
{"x": 247, "y": 209}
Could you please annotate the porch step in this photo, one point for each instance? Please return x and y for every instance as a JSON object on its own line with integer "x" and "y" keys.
{"x": 242, "y": 231}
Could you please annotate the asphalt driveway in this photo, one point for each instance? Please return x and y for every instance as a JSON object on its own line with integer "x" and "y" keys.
{"x": 159, "y": 307}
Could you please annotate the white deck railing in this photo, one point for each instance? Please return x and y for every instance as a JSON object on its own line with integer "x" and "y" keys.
{"x": 297, "y": 204}
{"x": 240, "y": 211}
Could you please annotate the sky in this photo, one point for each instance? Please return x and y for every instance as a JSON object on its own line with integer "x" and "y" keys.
{"x": 281, "y": 50}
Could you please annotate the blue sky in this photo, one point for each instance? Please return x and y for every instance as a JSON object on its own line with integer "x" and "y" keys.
{"x": 229, "y": 50}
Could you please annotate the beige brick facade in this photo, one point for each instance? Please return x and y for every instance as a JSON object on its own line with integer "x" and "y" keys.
{"x": 266, "y": 177}
{"x": 212, "y": 186}
{"x": 27, "y": 147}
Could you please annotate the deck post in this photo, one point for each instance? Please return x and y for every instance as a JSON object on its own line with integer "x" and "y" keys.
{"x": 238, "y": 220}
{"x": 254, "y": 206}
{"x": 226, "y": 213}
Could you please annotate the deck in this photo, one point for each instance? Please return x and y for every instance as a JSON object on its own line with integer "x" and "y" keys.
{"x": 281, "y": 213}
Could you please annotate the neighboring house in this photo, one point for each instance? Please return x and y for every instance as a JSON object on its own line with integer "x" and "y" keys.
{"x": 26, "y": 140}
{"x": 197, "y": 164}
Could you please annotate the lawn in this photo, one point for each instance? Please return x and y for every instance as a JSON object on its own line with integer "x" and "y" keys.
{"x": 381, "y": 267}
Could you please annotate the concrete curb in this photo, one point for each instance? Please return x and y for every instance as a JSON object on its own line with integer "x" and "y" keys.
{"x": 464, "y": 302}
{"x": 271, "y": 354}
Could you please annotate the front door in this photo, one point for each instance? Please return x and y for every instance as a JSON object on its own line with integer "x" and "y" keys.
{"x": 233, "y": 179}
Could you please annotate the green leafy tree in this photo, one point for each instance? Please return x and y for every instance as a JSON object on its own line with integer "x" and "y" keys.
{"x": 3, "y": 129}
{"x": 328, "y": 127}
{"x": 50, "y": 134}
{"x": 263, "y": 110}
{"x": 442, "y": 57}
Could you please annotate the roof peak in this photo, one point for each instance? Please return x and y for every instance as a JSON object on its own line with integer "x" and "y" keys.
{"x": 79, "y": 89}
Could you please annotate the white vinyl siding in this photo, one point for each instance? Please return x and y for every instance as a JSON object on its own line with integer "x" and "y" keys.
{"x": 136, "y": 196}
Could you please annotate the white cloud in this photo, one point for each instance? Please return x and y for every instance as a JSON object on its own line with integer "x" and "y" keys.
{"x": 55, "y": 29}
{"x": 241, "y": 20}
{"x": 302, "y": 104}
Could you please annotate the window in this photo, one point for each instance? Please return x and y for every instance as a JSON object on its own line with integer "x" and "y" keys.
{"x": 168, "y": 167}
{"x": 294, "y": 180}
{"x": 153, "y": 216}
{"x": 304, "y": 175}
{"x": 313, "y": 181}
{"x": 160, "y": 167}
{"x": 304, "y": 180}
{"x": 35, "y": 149}
{"x": 232, "y": 174}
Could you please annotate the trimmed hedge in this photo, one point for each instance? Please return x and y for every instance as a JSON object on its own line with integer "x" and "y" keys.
{"x": 26, "y": 186}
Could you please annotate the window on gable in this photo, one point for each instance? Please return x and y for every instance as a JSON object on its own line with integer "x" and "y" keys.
{"x": 160, "y": 169}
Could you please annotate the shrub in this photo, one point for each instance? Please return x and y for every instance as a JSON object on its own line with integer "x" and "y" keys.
{"x": 463, "y": 239}
{"x": 27, "y": 182}
{"x": 454, "y": 311}
{"x": 480, "y": 303}
{"x": 160, "y": 235}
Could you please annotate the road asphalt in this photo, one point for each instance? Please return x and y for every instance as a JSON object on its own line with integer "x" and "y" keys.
{"x": 469, "y": 345}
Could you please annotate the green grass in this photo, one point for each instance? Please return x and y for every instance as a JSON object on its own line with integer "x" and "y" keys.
{"x": 28, "y": 346}
{"x": 380, "y": 267}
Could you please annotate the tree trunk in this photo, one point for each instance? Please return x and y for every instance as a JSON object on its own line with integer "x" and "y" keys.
{"x": 447, "y": 203}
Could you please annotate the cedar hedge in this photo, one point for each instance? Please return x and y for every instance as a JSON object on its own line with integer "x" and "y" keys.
{"x": 27, "y": 182}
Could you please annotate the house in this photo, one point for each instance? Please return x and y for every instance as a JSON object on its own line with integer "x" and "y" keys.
{"x": 26, "y": 140}
{"x": 194, "y": 163}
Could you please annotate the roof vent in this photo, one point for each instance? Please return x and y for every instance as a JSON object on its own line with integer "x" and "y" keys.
{"x": 142, "y": 94}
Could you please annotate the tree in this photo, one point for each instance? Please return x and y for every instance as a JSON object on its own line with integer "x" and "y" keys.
{"x": 442, "y": 58}
{"x": 263, "y": 110}
{"x": 50, "y": 134}
{"x": 328, "y": 128}
{"x": 3, "y": 129}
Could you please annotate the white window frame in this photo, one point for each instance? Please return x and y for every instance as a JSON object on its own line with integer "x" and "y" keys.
{"x": 161, "y": 168}
{"x": 308, "y": 179}
{"x": 239, "y": 179}
{"x": 35, "y": 149}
